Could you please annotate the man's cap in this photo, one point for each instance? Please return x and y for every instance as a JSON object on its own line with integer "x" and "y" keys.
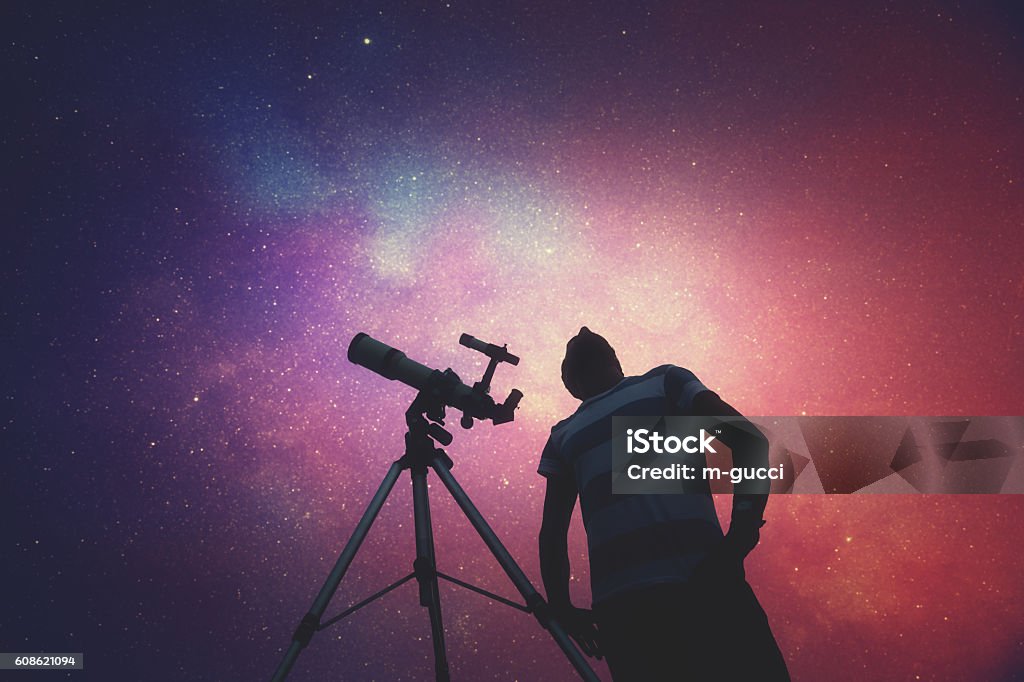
{"x": 584, "y": 353}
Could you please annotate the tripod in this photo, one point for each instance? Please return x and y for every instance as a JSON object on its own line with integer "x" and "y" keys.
{"x": 421, "y": 454}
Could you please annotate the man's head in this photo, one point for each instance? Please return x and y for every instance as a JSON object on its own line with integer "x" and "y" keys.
{"x": 590, "y": 366}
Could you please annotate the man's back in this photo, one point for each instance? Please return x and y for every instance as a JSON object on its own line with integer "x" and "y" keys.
{"x": 634, "y": 540}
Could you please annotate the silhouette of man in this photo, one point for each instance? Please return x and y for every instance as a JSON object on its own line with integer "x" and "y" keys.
{"x": 670, "y": 597}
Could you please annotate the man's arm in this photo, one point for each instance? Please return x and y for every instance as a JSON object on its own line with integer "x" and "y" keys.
{"x": 749, "y": 450}
{"x": 559, "y": 500}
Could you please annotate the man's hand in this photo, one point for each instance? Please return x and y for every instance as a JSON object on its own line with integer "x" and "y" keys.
{"x": 743, "y": 536}
{"x": 579, "y": 624}
{"x": 725, "y": 560}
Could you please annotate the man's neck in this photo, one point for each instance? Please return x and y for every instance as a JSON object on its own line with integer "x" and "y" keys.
{"x": 605, "y": 384}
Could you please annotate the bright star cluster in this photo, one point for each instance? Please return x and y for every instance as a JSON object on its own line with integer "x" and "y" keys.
{"x": 816, "y": 210}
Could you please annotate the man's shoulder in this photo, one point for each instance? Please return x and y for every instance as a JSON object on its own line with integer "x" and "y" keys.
{"x": 562, "y": 424}
{"x": 668, "y": 369}
{"x": 659, "y": 372}
{"x": 611, "y": 394}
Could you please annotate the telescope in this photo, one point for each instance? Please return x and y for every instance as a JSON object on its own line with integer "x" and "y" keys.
{"x": 474, "y": 402}
{"x": 436, "y": 390}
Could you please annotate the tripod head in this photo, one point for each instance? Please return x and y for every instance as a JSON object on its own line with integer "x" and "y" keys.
{"x": 440, "y": 389}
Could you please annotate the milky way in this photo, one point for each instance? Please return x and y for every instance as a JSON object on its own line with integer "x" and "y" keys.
{"x": 818, "y": 212}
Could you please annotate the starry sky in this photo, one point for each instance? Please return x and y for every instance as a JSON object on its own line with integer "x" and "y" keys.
{"x": 816, "y": 209}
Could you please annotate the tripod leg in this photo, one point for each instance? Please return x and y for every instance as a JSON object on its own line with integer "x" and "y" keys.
{"x": 426, "y": 569}
{"x": 308, "y": 625}
{"x": 533, "y": 599}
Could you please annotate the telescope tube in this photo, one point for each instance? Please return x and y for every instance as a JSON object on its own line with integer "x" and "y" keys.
{"x": 388, "y": 362}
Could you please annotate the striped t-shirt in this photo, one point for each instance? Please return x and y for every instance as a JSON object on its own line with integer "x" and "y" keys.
{"x": 633, "y": 540}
